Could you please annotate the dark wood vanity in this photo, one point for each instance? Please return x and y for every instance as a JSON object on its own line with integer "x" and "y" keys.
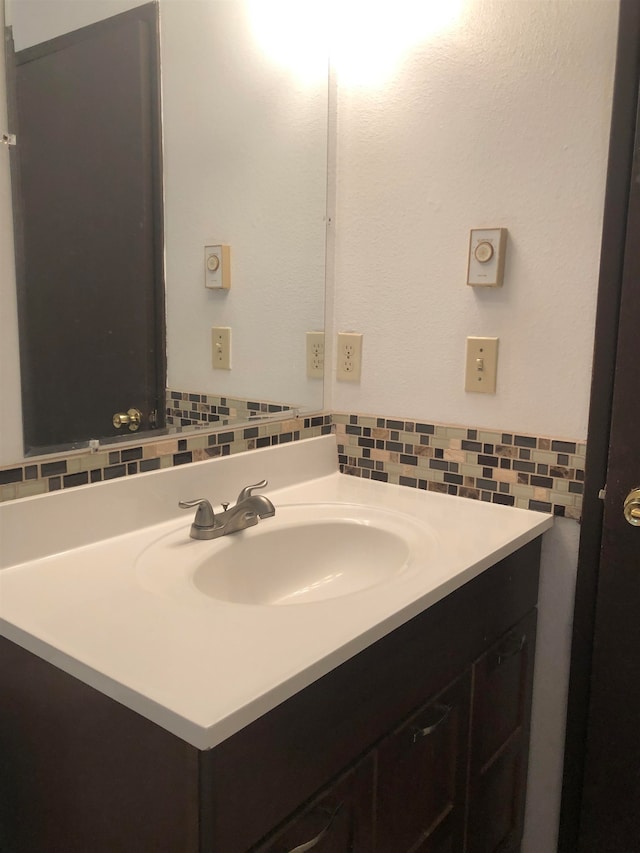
{"x": 418, "y": 743}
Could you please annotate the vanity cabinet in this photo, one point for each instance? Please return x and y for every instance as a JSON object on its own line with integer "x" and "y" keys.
{"x": 449, "y": 778}
{"x": 418, "y": 744}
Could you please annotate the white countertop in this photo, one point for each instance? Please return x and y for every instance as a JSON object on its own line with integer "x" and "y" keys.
{"x": 199, "y": 667}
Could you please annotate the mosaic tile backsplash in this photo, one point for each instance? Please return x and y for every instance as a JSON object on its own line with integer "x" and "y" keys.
{"x": 514, "y": 469}
{"x": 82, "y": 467}
{"x": 188, "y": 409}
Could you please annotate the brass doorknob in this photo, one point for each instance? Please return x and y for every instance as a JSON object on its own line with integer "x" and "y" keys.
{"x": 131, "y": 418}
{"x": 632, "y": 507}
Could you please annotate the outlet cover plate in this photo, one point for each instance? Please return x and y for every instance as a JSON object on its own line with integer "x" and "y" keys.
{"x": 481, "y": 365}
{"x": 349, "y": 357}
{"x": 315, "y": 355}
{"x": 221, "y": 347}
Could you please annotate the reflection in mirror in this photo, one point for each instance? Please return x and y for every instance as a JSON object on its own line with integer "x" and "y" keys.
{"x": 244, "y": 142}
{"x": 88, "y": 210}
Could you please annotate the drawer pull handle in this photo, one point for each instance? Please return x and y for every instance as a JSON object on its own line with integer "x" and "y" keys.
{"x": 511, "y": 648}
{"x": 308, "y": 845}
{"x": 443, "y": 711}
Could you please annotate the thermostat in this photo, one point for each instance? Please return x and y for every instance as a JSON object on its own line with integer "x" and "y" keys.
{"x": 487, "y": 248}
{"x": 217, "y": 267}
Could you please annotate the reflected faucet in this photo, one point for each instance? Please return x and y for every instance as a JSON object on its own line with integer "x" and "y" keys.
{"x": 248, "y": 509}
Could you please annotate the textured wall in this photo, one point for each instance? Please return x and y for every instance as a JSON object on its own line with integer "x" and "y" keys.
{"x": 502, "y": 120}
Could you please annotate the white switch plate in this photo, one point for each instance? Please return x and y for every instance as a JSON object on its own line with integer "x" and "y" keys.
{"x": 217, "y": 267}
{"x": 482, "y": 365}
{"x": 221, "y": 347}
{"x": 315, "y": 355}
{"x": 349, "y": 356}
{"x": 487, "y": 250}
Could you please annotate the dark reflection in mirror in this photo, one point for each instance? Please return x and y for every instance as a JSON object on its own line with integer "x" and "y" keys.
{"x": 87, "y": 181}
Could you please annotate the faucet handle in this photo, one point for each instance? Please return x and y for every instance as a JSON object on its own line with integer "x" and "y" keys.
{"x": 246, "y": 492}
{"x": 204, "y": 513}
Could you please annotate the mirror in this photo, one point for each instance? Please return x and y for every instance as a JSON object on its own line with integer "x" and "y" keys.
{"x": 244, "y": 146}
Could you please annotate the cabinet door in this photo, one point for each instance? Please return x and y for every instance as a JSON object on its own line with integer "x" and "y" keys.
{"x": 501, "y": 710}
{"x": 339, "y": 820}
{"x": 421, "y": 777}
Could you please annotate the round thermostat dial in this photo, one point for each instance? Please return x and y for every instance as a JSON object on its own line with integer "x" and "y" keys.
{"x": 213, "y": 262}
{"x": 483, "y": 252}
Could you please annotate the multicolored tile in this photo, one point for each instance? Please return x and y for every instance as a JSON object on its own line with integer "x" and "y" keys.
{"x": 515, "y": 469}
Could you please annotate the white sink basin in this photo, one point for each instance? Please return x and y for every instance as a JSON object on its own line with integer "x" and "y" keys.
{"x": 309, "y": 562}
{"x": 306, "y": 553}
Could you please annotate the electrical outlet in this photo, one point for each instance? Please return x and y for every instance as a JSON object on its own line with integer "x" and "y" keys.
{"x": 349, "y": 357}
{"x": 315, "y": 355}
{"x": 482, "y": 365}
{"x": 221, "y": 347}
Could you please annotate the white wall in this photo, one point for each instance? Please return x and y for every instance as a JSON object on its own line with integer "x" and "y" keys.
{"x": 551, "y": 685}
{"x": 503, "y": 120}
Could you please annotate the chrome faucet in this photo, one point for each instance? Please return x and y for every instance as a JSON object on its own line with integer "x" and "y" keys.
{"x": 246, "y": 512}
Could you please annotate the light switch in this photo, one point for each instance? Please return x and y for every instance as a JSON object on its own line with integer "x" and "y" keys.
{"x": 482, "y": 365}
{"x": 487, "y": 249}
{"x": 221, "y": 347}
{"x": 217, "y": 267}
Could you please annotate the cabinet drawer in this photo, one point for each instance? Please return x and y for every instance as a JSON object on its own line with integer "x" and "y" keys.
{"x": 502, "y": 687}
{"x": 339, "y": 820}
{"x": 421, "y": 776}
{"x": 501, "y": 691}
{"x": 494, "y": 819}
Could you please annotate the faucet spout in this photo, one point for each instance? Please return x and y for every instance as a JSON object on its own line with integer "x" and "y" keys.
{"x": 261, "y": 505}
{"x": 246, "y": 513}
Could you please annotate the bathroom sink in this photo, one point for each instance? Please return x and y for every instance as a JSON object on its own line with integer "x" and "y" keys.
{"x": 306, "y": 553}
{"x": 311, "y": 561}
